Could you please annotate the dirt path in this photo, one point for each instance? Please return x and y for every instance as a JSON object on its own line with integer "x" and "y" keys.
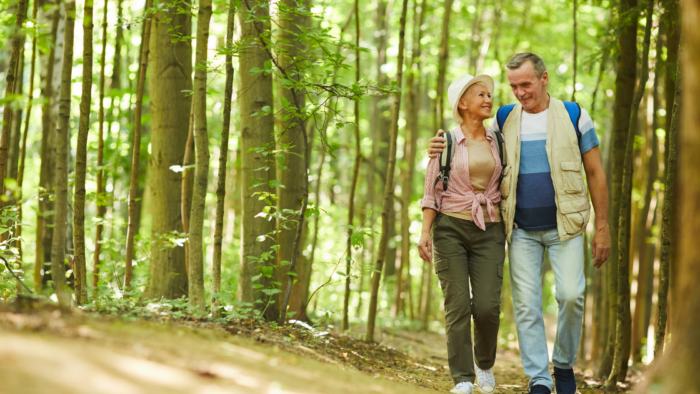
{"x": 56, "y": 352}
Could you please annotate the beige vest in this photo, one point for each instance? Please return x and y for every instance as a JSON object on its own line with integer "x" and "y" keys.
{"x": 570, "y": 194}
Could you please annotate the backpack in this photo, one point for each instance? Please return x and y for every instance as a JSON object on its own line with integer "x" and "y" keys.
{"x": 445, "y": 160}
{"x": 572, "y": 108}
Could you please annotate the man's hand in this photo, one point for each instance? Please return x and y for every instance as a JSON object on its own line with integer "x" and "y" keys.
{"x": 425, "y": 247}
{"x": 436, "y": 145}
{"x": 600, "y": 246}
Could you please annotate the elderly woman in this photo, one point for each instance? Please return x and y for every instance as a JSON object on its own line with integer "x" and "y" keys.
{"x": 468, "y": 238}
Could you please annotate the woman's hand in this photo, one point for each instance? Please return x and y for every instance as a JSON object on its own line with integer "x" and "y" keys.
{"x": 436, "y": 144}
{"x": 425, "y": 246}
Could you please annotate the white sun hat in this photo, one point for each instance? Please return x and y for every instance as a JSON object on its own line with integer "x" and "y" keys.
{"x": 460, "y": 85}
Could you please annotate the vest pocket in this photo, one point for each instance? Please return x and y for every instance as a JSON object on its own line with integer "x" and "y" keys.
{"x": 574, "y": 214}
{"x": 506, "y": 182}
{"x": 572, "y": 179}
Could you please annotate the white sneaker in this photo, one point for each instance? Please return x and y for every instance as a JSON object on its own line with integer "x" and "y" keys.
{"x": 463, "y": 388}
{"x": 485, "y": 380}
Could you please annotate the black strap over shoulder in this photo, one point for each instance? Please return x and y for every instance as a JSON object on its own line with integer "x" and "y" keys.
{"x": 445, "y": 161}
{"x": 501, "y": 143}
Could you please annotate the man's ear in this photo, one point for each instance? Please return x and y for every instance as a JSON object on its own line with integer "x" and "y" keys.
{"x": 545, "y": 78}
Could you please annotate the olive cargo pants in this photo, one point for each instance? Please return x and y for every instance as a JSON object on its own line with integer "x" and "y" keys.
{"x": 463, "y": 253}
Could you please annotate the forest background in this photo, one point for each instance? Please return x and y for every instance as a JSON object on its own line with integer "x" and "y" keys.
{"x": 213, "y": 205}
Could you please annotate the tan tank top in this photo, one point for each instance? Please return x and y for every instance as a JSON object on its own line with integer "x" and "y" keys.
{"x": 481, "y": 167}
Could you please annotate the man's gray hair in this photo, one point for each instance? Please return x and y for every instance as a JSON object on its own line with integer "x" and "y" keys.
{"x": 518, "y": 59}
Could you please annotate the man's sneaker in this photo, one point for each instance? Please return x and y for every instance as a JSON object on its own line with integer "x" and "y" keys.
{"x": 564, "y": 381}
{"x": 539, "y": 389}
{"x": 485, "y": 380}
{"x": 463, "y": 388}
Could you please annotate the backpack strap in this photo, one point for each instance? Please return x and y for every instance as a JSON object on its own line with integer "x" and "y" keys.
{"x": 574, "y": 110}
{"x": 445, "y": 161}
{"x": 501, "y": 144}
{"x": 502, "y": 115}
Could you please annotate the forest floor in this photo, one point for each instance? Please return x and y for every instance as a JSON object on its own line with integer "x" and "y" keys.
{"x": 44, "y": 349}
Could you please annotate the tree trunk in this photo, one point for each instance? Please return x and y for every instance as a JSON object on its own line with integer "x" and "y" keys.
{"x": 646, "y": 271}
{"x": 9, "y": 90}
{"x": 675, "y": 372}
{"x": 355, "y": 175}
{"x": 439, "y": 122}
{"x": 101, "y": 207}
{"x": 293, "y": 178}
{"x": 44, "y": 225}
{"x": 624, "y": 90}
{"x": 136, "y": 151}
{"x": 255, "y": 93}
{"x": 16, "y": 129}
{"x": 58, "y": 247}
{"x": 23, "y": 148}
{"x": 673, "y": 34}
{"x": 223, "y": 156}
{"x": 186, "y": 189}
{"x": 623, "y": 329}
{"x": 201, "y": 175}
{"x": 669, "y": 193}
{"x": 115, "y": 82}
{"x": 81, "y": 161}
{"x": 575, "y": 61}
{"x": 409, "y": 155}
{"x": 169, "y": 109}
{"x": 389, "y": 187}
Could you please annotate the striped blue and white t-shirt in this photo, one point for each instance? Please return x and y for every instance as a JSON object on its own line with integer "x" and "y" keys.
{"x": 535, "y": 208}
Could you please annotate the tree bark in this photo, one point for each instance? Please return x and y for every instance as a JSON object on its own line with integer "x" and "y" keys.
{"x": 624, "y": 90}
{"x": 410, "y": 146}
{"x": 44, "y": 225}
{"x": 223, "y": 156}
{"x": 101, "y": 208}
{"x": 255, "y": 93}
{"x": 16, "y": 129}
{"x": 292, "y": 131}
{"x": 575, "y": 61}
{"x": 669, "y": 200}
{"x": 201, "y": 175}
{"x": 23, "y": 147}
{"x": 136, "y": 151}
{"x": 623, "y": 329}
{"x": 675, "y": 372}
{"x": 389, "y": 187}
{"x": 9, "y": 90}
{"x": 81, "y": 161}
{"x": 169, "y": 109}
{"x": 186, "y": 189}
{"x": 58, "y": 247}
{"x": 439, "y": 122}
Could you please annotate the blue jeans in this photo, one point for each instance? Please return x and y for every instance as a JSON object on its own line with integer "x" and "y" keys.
{"x": 526, "y": 256}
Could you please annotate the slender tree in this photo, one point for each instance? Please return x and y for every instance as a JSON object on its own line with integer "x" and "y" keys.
{"x": 44, "y": 221}
{"x": 626, "y": 72}
{"x": 101, "y": 208}
{"x": 575, "y": 61}
{"x": 439, "y": 122}
{"x": 201, "y": 175}
{"x": 355, "y": 174}
{"x": 666, "y": 223}
{"x": 186, "y": 181}
{"x": 81, "y": 161}
{"x": 23, "y": 148}
{"x": 389, "y": 187}
{"x": 136, "y": 150}
{"x": 410, "y": 146}
{"x": 59, "y": 239}
{"x": 12, "y": 69}
{"x": 623, "y": 334}
{"x": 223, "y": 156}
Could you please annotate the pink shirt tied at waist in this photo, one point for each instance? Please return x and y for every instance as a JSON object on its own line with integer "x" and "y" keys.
{"x": 460, "y": 195}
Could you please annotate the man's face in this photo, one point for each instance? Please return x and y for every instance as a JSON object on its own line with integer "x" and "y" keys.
{"x": 527, "y": 88}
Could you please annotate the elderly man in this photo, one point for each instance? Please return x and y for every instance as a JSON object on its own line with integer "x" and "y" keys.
{"x": 545, "y": 206}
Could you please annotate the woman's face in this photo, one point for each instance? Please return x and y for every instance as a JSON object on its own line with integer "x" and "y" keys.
{"x": 476, "y": 102}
